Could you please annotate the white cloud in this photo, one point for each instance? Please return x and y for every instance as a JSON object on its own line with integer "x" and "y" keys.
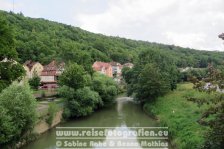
{"x": 188, "y": 23}
{"x": 187, "y": 39}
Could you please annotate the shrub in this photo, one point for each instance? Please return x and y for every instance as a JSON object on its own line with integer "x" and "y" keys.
{"x": 81, "y": 102}
{"x": 52, "y": 110}
{"x": 18, "y": 113}
{"x": 34, "y": 82}
{"x": 106, "y": 88}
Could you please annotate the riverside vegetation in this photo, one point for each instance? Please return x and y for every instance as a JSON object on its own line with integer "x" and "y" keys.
{"x": 153, "y": 81}
{"x": 193, "y": 113}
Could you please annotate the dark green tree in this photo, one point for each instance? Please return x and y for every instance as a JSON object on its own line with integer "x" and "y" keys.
{"x": 35, "y": 82}
{"x": 81, "y": 102}
{"x": 151, "y": 83}
{"x": 106, "y": 88}
{"x": 74, "y": 77}
{"x": 10, "y": 70}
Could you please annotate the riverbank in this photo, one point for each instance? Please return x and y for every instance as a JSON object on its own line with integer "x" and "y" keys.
{"x": 124, "y": 115}
{"x": 181, "y": 116}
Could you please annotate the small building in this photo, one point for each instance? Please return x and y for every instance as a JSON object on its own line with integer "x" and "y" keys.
{"x": 32, "y": 68}
{"x": 130, "y": 65}
{"x": 104, "y": 68}
{"x": 51, "y": 72}
{"x": 116, "y": 68}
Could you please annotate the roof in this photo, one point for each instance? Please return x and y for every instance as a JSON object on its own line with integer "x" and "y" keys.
{"x": 52, "y": 68}
{"x": 99, "y": 65}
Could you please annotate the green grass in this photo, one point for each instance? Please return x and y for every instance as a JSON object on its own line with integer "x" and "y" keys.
{"x": 181, "y": 115}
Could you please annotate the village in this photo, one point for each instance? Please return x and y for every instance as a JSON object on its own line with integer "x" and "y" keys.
{"x": 49, "y": 73}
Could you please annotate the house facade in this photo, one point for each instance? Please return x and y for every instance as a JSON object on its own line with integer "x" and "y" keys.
{"x": 32, "y": 68}
{"x": 116, "y": 68}
{"x": 51, "y": 72}
{"x": 103, "y": 68}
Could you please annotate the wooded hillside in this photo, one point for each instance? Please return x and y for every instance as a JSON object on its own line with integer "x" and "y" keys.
{"x": 43, "y": 40}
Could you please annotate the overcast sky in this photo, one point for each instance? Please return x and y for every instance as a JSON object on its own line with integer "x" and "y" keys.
{"x": 187, "y": 23}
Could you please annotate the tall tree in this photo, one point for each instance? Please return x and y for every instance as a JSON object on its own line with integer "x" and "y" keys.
{"x": 10, "y": 70}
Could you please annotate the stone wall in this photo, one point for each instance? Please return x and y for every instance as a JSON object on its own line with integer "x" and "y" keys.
{"x": 42, "y": 126}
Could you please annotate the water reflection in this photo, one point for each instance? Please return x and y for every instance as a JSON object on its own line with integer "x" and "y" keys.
{"x": 121, "y": 117}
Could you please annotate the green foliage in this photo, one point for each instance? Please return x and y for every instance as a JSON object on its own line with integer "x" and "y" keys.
{"x": 18, "y": 113}
{"x": 52, "y": 110}
{"x": 42, "y": 40}
{"x": 214, "y": 115}
{"x": 106, "y": 88}
{"x": 198, "y": 73}
{"x": 181, "y": 116}
{"x": 7, "y": 46}
{"x": 74, "y": 76}
{"x": 127, "y": 74}
{"x": 34, "y": 82}
{"x": 9, "y": 69}
{"x": 153, "y": 75}
{"x": 151, "y": 84}
{"x": 81, "y": 102}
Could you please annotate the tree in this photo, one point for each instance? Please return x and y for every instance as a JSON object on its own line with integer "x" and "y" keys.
{"x": 75, "y": 84}
{"x": 7, "y": 44}
{"x": 153, "y": 75}
{"x": 106, "y": 88}
{"x": 127, "y": 74}
{"x": 10, "y": 70}
{"x": 18, "y": 113}
{"x": 74, "y": 77}
{"x": 152, "y": 83}
{"x": 35, "y": 81}
{"x": 221, "y": 36}
{"x": 81, "y": 102}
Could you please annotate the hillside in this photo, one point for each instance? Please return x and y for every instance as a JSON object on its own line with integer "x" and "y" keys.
{"x": 43, "y": 40}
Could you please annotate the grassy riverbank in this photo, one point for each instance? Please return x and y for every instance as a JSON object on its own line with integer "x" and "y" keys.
{"x": 181, "y": 115}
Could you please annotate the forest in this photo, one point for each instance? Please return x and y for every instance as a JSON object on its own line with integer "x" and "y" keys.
{"x": 42, "y": 40}
{"x": 154, "y": 81}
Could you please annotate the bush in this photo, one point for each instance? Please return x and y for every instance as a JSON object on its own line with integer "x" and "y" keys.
{"x": 106, "y": 88}
{"x": 18, "y": 113}
{"x": 34, "y": 82}
{"x": 81, "y": 102}
{"x": 74, "y": 76}
{"x": 52, "y": 110}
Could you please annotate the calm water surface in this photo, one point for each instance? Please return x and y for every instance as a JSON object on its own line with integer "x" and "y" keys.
{"x": 123, "y": 116}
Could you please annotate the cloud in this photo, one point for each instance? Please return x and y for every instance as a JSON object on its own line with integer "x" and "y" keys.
{"x": 188, "y": 23}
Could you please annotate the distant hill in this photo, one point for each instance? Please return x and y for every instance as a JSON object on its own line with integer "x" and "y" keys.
{"x": 43, "y": 40}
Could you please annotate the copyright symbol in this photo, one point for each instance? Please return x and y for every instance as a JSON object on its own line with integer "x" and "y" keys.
{"x": 58, "y": 144}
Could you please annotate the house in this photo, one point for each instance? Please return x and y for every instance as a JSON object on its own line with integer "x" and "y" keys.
{"x": 51, "y": 72}
{"x": 116, "y": 68}
{"x": 32, "y": 68}
{"x": 130, "y": 65}
{"x": 104, "y": 68}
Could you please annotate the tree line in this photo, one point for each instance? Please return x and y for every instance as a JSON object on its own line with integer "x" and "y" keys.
{"x": 42, "y": 40}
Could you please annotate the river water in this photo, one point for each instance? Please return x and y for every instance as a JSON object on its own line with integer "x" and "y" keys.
{"x": 124, "y": 115}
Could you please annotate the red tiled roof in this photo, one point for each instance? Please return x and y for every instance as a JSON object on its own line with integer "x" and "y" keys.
{"x": 52, "y": 68}
{"x": 99, "y": 65}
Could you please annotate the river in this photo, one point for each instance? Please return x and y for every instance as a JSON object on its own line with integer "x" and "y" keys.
{"x": 124, "y": 115}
